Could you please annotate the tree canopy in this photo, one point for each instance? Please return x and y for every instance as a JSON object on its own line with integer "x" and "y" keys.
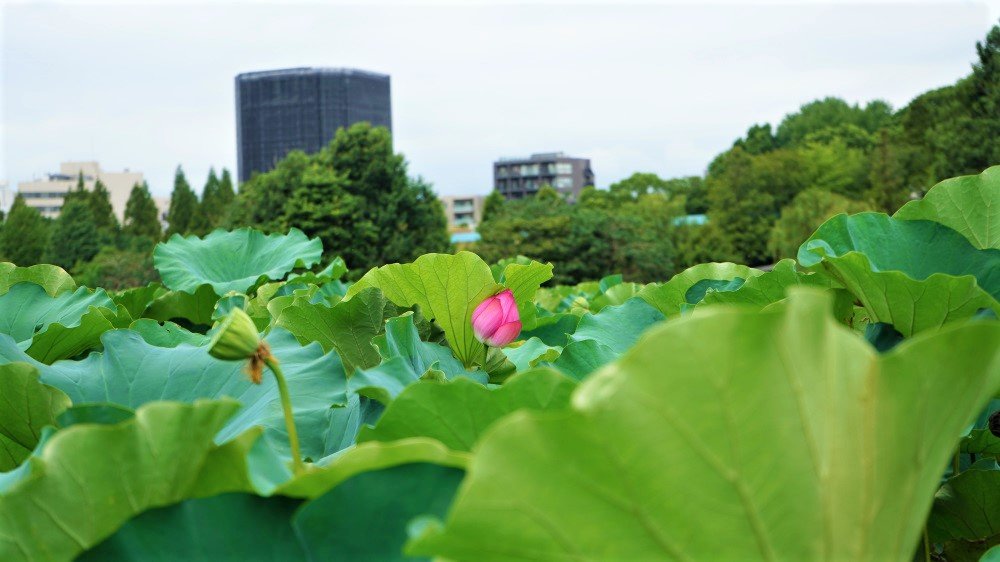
{"x": 354, "y": 195}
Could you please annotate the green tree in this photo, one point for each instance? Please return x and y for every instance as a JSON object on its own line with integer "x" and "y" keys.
{"x": 638, "y": 184}
{"x": 25, "y": 234}
{"x": 587, "y": 240}
{"x": 142, "y": 218}
{"x": 74, "y": 235}
{"x": 116, "y": 269}
{"x": 493, "y": 204}
{"x": 209, "y": 213}
{"x": 103, "y": 212}
{"x": 183, "y": 206}
{"x": 803, "y": 216}
{"x": 831, "y": 113}
{"x": 354, "y": 195}
{"x": 225, "y": 195}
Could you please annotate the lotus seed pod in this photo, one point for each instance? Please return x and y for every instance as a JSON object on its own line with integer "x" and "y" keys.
{"x": 237, "y": 338}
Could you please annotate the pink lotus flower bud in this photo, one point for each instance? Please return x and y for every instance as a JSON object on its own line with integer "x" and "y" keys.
{"x": 496, "y": 321}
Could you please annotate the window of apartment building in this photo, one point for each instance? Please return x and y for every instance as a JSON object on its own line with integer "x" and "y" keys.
{"x": 43, "y": 194}
{"x": 563, "y": 182}
{"x": 529, "y": 169}
{"x": 564, "y": 168}
{"x": 502, "y": 172}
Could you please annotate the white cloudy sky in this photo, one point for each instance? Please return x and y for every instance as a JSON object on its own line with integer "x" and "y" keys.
{"x": 650, "y": 87}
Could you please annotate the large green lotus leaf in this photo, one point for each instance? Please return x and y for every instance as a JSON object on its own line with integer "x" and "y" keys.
{"x": 240, "y": 527}
{"x": 531, "y": 352}
{"x": 688, "y": 287}
{"x": 581, "y": 358}
{"x": 766, "y": 288}
{"x": 138, "y": 299}
{"x": 967, "y": 507}
{"x": 347, "y": 326}
{"x": 374, "y": 498}
{"x": 684, "y": 442}
{"x": 88, "y": 479}
{"x": 553, "y": 329}
{"x": 52, "y": 278}
{"x": 195, "y": 308}
{"x": 11, "y": 455}
{"x": 53, "y": 328}
{"x": 233, "y": 261}
{"x": 523, "y": 280}
{"x": 365, "y": 518}
{"x": 980, "y": 442}
{"x": 615, "y": 295}
{"x": 26, "y": 406}
{"x": 447, "y": 288}
{"x": 406, "y": 359}
{"x": 365, "y": 457}
{"x": 913, "y": 274}
{"x": 967, "y": 204}
{"x": 457, "y": 413}
{"x": 131, "y": 372}
{"x": 166, "y": 334}
{"x": 618, "y": 327}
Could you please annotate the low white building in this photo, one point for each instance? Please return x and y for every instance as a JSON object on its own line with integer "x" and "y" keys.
{"x": 47, "y": 194}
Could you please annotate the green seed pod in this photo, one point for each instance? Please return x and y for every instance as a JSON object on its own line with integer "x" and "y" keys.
{"x": 237, "y": 338}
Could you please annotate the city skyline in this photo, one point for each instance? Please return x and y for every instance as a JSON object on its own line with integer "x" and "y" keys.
{"x": 656, "y": 92}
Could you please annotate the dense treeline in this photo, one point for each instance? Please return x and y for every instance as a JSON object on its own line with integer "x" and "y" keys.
{"x": 88, "y": 240}
{"x": 354, "y": 194}
{"x": 773, "y": 187}
{"x": 762, "y": 196}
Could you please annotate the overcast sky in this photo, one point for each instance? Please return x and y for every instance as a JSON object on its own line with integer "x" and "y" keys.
{"x": 658, "y": 88}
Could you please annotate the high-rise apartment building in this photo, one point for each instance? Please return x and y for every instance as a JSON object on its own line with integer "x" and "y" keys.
{"x": 278, "y": 111}
{"x": 463, "y": 211}
{"x": 46, "y": 195}
{"x": 523, "y": 177}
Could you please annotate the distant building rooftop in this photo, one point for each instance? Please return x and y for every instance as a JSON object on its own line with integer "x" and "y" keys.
{"x": 306, "y": 70}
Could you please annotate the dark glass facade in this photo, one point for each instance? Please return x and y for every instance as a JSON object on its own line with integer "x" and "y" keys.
{"x": 278, "y": 111}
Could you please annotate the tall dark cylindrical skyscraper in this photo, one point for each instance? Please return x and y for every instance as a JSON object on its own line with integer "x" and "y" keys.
{"x": 278, "y": 111}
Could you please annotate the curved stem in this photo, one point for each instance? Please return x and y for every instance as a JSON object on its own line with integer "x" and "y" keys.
{"x": 286, "y": 405}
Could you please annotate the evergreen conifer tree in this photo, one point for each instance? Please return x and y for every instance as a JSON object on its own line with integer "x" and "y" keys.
{"x": 183, "y": 205}
{"x": 141, "y": 215}
{"x": 100, "y": 206}
{"x": 24, "y": 236}
{"x": 74, "y": 235}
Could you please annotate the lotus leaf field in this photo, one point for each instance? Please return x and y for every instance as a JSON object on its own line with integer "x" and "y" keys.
{"x": 833, "y": 408}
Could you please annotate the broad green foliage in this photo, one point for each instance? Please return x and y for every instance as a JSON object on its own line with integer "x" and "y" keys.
{"x": 26, "y": 406}
{"x": 968, "y": 204}
{"x": 52, "y": 278}
{"x": 718, "y": 465}
{"x": 447, "y": 288}
{"x": 52, "y": 328}
{"x": 347, "y": 326}
{"x": 165, "y": 454}
{"x": 406, "y": 359}
{"x": 456, "y": 413}
{"x": 913, "y": 274}
{"x": 243, "y": 527}
{"x": 762, "y": 290}
{"x": 233, "y": 261}
{"x": 690, "y": 286}
{"x": 808, "y": 412}
{"x": 618, "y": 327}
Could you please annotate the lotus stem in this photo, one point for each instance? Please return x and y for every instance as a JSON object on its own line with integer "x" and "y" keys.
{"x": 286, "y": 405}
